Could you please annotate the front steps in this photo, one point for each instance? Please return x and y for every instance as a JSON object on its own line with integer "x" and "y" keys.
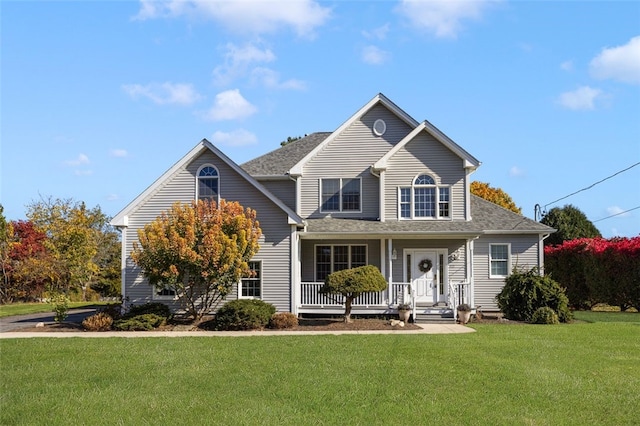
{"x": 433, "y": 314}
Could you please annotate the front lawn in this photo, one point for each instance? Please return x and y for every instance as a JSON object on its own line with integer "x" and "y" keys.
{"x": 607, "y": 316}
{"x": 502, "y": 375}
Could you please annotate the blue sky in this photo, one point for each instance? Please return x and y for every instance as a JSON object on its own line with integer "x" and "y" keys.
{"x": 98, "y": 99}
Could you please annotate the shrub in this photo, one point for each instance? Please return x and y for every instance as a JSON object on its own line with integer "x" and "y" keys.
{"x": 142, "y": 322}
{"x": 282, "y": 320}
{"x": 244, "y": 314}
{"x": 60, "y": 304}
{"x": 98, "y": 322}
{"x": 544, "y": 315}
{"x": 156, "y": 308}
{"x": 525, "y": 292}
{"x": 114, "y": 310}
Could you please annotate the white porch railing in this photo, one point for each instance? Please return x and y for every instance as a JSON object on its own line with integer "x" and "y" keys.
{"x": 395, "y": 294}
{"x": 459, "y": 293}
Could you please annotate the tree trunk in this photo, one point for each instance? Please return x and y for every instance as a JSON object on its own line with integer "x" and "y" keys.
{"x": 347, "y": 308}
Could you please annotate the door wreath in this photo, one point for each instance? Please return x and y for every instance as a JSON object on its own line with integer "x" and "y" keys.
{"x": 425, "y": 265}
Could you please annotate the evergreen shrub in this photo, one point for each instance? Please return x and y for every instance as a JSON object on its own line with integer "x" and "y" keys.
{"x": 244, "y": 314}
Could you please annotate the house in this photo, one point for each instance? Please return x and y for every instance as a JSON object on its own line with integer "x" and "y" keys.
{"x": 382, "y": 189}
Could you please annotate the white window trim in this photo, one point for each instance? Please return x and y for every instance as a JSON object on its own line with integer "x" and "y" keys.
{"x": 197, "y": 195}
{"x": 240, "y": 296}
{"x": 156, "y": 296}
{"x": 508, "y": 259}
{"x": 412, "y": 201}
{"x": 320, "y": 203}
{"x": 315, "y": 256}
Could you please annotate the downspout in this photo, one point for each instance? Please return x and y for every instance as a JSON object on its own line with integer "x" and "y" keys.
{"x": 381, "y": 196}
{"x": 541, "y": 253}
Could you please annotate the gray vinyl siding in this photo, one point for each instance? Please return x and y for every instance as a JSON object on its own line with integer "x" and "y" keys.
{"x": 274, "y": 242}
{"x": 350, "y": 155}
{"x": 424, "y": 154}
{"x": 524, "y": 255}
{"x": 285, "y": 190}
{"x": 308, "y": 254}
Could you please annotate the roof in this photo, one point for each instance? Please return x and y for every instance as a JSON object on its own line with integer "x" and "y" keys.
{"x": 488, "y": 218}
{"x": 121, "y": 219}
{"x": 279, "y": 161}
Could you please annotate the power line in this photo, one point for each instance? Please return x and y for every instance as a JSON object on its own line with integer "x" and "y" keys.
{"x": 617, "y": 214}
{"x": 591, "y": 186}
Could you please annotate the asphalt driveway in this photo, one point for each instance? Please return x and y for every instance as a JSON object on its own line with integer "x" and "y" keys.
{"x": 30, "y": 320}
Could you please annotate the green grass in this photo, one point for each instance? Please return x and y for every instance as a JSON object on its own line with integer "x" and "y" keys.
{"x": 607, "y": 316}
{"x": 36, "y": 308}
{"x": 576, "y": 374}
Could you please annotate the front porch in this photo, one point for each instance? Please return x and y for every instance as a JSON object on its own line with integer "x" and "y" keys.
{"x": 310, "y": 301}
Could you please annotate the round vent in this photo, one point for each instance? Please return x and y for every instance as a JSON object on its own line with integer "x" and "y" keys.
{"x": 379, "y": 127}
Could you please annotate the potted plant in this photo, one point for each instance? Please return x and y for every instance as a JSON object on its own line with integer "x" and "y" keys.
{"x": 464, "y": 313}
{"x": 404, "y": 311}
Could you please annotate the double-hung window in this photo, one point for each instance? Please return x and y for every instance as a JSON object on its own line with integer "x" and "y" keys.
{"x": 424, "y": 199}
{"x": 340, "y": 195}
{"x": 332, "y": 258}
{"x": 251, "y": 286}
{"x": 499, "y": 260}
{"x": 208, "y": 183}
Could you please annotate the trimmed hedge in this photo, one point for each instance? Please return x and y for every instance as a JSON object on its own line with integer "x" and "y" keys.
{"x": 544, "y": 315}
{"x": 244, "y": 314}
{"x": 144, "y": 322}
{"x": 525, "y": 292}
{"x": 283, "y": 320}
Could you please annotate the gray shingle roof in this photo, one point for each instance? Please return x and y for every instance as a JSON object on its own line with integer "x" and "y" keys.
{"x": 487, "y": 218}
{"x": 281, "y": 160}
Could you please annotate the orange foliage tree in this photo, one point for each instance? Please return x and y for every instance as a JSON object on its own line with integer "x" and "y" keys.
{"x": 495, "y": 195}
{"x": 200, "y": 251}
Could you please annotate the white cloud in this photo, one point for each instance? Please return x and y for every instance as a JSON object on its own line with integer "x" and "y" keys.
{"x": 566, "y": 66}
{"x": 238, "y": 137}
{"x": 112, "y": 197}
{"x": 442, "y": 17}
{"x": 373, "y": 55}
{"x": 238, "y": 61}
{"x": 165, "y": 93}
{"x": 254, "y": 17}
{"x": 271, "y": 79}
{"x": 230, "y": 105}
{"x": 120, "y": 153}
{"x": 620, "y": 63}
{"x": 583, "y": 98}
{"x": 516, "y": 171}
{"x": 80, "y": 160}
{"x": 617, "y": 211}
{"x": 83, "y": 172}
{"x": 379, "y": 33}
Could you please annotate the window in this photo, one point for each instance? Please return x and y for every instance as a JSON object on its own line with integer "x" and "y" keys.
{"x": 424, "y": 200}
{"x": 340, "y": 195}
{"x": 332, "y": 258}
{"x": 207, "y": 183}
{"x": 499, "y": 260}
{"x": 165, "y": 293}
{"x": 251, "y": 287}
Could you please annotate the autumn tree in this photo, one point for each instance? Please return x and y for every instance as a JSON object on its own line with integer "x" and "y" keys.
{"x": 495, "y": 195}
{"x": 348, "y": 284}
{"x": 200, "y": 251}
{"x": 6, "y": 233}
{"x": 75, "y": 239}
{"x": 570, "y": 222}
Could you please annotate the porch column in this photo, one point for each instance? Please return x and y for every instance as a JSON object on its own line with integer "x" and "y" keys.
{"x": 295, "y": 278}
{"x": 389, "y": 251}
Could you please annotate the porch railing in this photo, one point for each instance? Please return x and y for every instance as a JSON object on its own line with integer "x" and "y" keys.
{"x": 459, "y": 293}
{"x": 395, "y": 294}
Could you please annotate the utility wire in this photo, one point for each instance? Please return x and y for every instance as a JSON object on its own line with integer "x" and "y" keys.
{"x": 591, "y": 186}
{"x": 617, "y": 214}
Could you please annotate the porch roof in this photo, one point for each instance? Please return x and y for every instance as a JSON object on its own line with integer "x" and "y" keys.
{"x": 488, "y": 218}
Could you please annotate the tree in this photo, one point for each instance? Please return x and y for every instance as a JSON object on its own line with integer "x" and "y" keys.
{"x": 290, "y": 139}
{"x": 348, "y": 284}
{"x": 76, "y": 238}
{"x": 6, "y": 233}
{"x": 495, "y": 195}
{"x": 200, "y": 251}
{"x": 570, "y": 223}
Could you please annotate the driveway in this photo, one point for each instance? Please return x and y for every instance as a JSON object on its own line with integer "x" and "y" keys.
{"x": 30, "y": 320}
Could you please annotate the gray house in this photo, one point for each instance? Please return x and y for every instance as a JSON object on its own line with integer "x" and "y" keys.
{"x": 383, "y": 189}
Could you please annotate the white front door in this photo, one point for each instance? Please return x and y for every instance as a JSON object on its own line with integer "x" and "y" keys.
{"x": 423, "y": 270}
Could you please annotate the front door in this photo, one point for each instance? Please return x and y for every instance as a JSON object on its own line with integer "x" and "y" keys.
{"x": 423, "y": 275}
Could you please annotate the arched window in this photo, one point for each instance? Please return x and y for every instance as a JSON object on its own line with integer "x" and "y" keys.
{"x": 424, "y": 199}
{"x": 208, "y": 185}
